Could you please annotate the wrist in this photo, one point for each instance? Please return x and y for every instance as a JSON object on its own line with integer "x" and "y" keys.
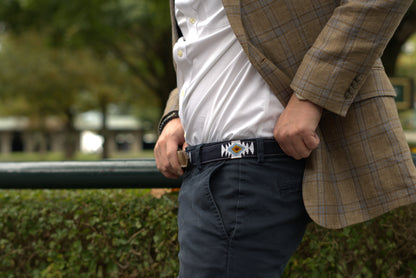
{"x": 300, "y": 100}
{"x": 166, "y": 119}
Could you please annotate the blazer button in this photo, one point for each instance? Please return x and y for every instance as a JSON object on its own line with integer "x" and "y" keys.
{"x": 356, "y": 81}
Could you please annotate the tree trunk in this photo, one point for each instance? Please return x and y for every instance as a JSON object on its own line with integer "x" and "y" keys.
{"x": 71, "y": 138}
{"x": 104, "y": 131}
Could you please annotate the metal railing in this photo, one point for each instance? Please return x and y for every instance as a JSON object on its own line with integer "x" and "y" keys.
{"x": 83, "y": 175}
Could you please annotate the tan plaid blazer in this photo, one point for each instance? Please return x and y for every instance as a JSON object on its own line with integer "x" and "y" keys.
{"x": 328, "y": 51}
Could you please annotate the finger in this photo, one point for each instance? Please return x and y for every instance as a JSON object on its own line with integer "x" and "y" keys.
{"x": 170, "y": 175}
{"x": 284, "y": 144}
{"x": 162, "y": 161}
{"x": 294, "y": 148}
{"x": 304, "y": 144}
{"x": 168, "y": 171}
{"x": 159, "y": 157}
{"x": 300, "y": 151}
{"x": 290, "y": 151}
{"x": 311, "y": 141}
{"x": 163, "y": 165}
{"x": 172, "y": 157}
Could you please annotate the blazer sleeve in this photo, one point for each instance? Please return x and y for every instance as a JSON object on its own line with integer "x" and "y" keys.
{"x": 336, "y": 66}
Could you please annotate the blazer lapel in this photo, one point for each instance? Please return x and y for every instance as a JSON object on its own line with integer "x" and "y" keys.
{"x": 277, "y": 80}
{"x": 233, "y": 11}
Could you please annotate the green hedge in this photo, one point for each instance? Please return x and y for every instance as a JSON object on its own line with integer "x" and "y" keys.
{"x": 102, "y": 233}
{"x": 126, "y": 233}
{"x": 384, "y": 247}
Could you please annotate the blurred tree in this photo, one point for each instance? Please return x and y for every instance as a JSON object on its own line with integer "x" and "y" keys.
{"x": 39, "y": 83}
{"x": 406, "y": 63}
{"x": 109, "y": 82}
{"x": 137, "y": 32}
{"x": 43, "y": 82}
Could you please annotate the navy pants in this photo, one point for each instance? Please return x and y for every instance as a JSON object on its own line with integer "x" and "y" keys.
{"x": 240, "y": 218}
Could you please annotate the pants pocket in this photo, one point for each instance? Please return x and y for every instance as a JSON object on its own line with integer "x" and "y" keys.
{"x": 223, "y": 191}
{"x": 290, "y": 181}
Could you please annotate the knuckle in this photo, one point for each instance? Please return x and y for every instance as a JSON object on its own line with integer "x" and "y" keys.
{"x": 171, "y": 156}
{"x": 164, "y": 167}
{"x": 161, "y": 141}
{"x": 161, "y": 168}
{"x": 306, "y": 154}
{"x": 282, "y": 136}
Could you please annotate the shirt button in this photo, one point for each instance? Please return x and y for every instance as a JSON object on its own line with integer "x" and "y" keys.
{"x": 179, "y": 53}
{"x": 192, "y": 20}
{"x": 182, "y": 93}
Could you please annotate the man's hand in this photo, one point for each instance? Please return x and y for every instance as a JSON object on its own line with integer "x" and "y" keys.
{"x": 169, "y": 141}
{"x": 295, "y": 128}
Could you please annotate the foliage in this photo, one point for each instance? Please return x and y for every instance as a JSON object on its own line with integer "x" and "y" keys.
{"x": 87, "y": 234}
{"x": 384, "y": 247}
{"x": 37, "y": 82}
{"x": 50, "y": 81}
{"x": 135, "y": 32}
{"x": 40, "y": 82}
{"x": 125, "y": 233}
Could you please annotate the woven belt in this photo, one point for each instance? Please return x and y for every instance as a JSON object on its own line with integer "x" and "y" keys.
{"x": 249, "y": 148}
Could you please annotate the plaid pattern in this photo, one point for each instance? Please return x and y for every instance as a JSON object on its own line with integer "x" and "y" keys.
{"x": 328, "y": 52}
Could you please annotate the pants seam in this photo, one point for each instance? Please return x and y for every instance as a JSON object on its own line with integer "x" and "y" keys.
{"x": 229, "y": 245}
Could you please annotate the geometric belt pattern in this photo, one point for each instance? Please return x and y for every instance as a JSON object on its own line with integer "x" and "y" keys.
{"x": 237, "y": 149}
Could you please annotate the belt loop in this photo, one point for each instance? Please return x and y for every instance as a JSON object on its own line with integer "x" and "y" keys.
{"x": 260, "y": 150}
{"x": 198, "y": 156}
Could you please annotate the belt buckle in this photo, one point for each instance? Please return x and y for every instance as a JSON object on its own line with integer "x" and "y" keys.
{"x": 237, "y": 149}
{"x": 183, "y": 158}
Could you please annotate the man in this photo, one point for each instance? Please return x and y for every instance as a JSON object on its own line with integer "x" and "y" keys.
{"x": 277, "y": 99}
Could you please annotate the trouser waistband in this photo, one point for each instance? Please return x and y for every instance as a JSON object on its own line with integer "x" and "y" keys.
{"x": 258, "y": 148}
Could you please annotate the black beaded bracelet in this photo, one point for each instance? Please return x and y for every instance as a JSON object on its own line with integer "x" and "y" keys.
{"x": 172, "y": 115}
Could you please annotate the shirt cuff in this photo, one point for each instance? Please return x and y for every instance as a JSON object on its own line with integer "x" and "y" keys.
{"x": 299, "y": 96}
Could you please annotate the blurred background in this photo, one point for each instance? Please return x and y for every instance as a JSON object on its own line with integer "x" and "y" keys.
{"x": 89, "y": 79}
{"x": 82, "y": 79}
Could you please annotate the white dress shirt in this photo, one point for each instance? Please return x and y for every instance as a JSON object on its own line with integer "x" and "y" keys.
{"x": 222, "y": 96}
